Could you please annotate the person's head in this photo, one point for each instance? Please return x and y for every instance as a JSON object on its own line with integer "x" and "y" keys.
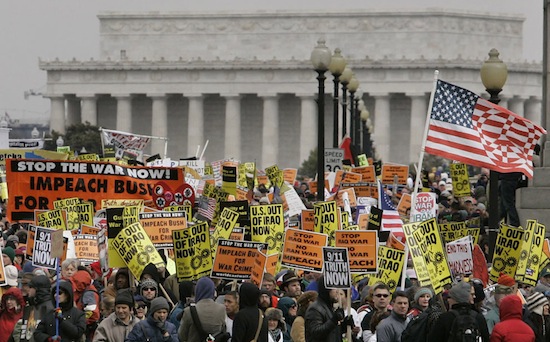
{"x": 501, "y": 291}
{"x": 291, "y": 285}
{"x": 265, "y": 299}
{"x": 69, "y": 268}
{"x": 25, "y": 281}
{"x": 11, "y": 274}
{"x": 149, "y": 289}
{"x": 8, "y": 255}
{"x": 65, "y": 295}
{"x": 304, "y": 301}
{"x": 329, "y": 296}
{"x": 249, "y": 295}
{"x": 505, "y": 279}
{"x": 275, "y": 319}
{"x": 231, "y": 302}
{"x": 381, "y": 296}
{"x": 205, "y": 289}
{"x": 159, "y": 309}
{"x": 107, "y": 306}
{"x": 186, "y": 290}
{"x": 19, "y": 256}
{"x": 289, "y": 308}
{"x": 95, "y": 269}
{"x": 124, "y": 305}
{"x": 400, "y": 303}
{"x": 538, "y": 303}
{"x": 422, "y": 297}
{"x": 12, "y": 300}
{"x": 269, "y": 283}
{"x": 461, "y": 292}
{"x": 122, "y": 279}
{"x": 141, "y": 307}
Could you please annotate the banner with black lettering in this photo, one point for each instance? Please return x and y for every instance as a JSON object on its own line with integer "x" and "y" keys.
{"x": 86, "y": 249}
{"x": 160, "y": 225}
{"x": 390, "y": 267}
{"x": 507, "y": 252}
{"x": 459, "y": 257}
{"x": 42, "y": 249}
{"x": 303, "y": 250}
{"x": 192, "y": 252}
{"x": 417, "y": 256}
{"x": 268, "y": 225}
{"x": 532, "y": 256}
{"x": 326, "y": 219}
{"x": 336, "y": 268}
{"x": 362, "y": 248}
{"x": 234, "y": 260}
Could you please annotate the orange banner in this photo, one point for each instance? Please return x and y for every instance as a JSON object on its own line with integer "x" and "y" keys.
{"x": 159, "y": 226}
{"x": 303, "y": 250}
{"x": 235, "y": 259}
{"x": 36, "y": 184}
{"x": 362, "y": 246}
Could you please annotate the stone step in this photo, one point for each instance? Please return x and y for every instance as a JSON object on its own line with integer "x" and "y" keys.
{"x": 541, "y": 176}
{"x": 541, "y": 215}
{"x": 533, "y": 198}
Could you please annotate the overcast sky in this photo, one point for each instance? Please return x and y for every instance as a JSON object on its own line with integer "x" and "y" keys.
{"x": 33, "y": 29}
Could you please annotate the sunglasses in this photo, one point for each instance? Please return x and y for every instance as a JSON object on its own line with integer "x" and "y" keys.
{"x": 293, "y": 306}
{"x": 149, "y": 289}
{"x": 143, "y": 306}
{"x": 380, "y": 295}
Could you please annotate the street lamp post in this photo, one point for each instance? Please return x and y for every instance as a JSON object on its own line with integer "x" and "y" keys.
{"x": 353, "y": 85}
{"x": 366, "y": 134}
{"x": 320, "y": 59}
{"x": 344, "y": 80}
{"x": 359, "y": 105}
{"x": 493, "y": 75}
{"x": 336, "y": 67}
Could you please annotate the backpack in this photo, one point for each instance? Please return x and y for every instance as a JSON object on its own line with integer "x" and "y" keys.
{"x": 417, "y": 329}
{"x": 464, "y": 328}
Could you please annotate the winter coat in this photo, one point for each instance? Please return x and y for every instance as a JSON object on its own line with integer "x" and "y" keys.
{"x": 8, "y": 318}
{"x": 147, "y": 330}
{"x": 511, "y": 327}
{"x": 210, "y": 314}
{"x": 318, "y": 319}
{"x": 298, "y": 331}
{"x": 441, "y": 328}
{"x": 72, "y": 324}
{"x": 111, "y": 329}
{"x": 390, "y": 328}
{"x": 246, "y": 320}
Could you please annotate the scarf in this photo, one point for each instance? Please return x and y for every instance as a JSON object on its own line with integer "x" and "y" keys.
{"x": 275, "y": 334}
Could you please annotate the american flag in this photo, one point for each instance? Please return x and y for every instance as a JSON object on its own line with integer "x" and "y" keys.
{"x": 467, "y": 128}
{"x": 391, "y": 220}
{"x": 207, "y": 207}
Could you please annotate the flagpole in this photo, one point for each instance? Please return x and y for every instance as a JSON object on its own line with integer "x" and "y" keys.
{"x": 422, "y": 148}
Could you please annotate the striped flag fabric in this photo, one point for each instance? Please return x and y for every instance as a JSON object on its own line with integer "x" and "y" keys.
{"x": 467, "y": 128}
{"x": 391, "y": 221}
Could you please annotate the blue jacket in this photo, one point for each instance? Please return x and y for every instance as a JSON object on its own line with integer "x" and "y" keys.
{"x": 148, "y": 331}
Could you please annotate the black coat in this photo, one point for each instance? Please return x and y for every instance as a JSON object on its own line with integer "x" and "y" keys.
{"x": 246, "y": 320}
{"x": 441, "y": 328}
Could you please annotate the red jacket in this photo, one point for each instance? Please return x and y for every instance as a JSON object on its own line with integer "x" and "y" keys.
{"x": 8, "y": 318}
{"x": 86, "y": 296}
{"x": 511, "y": 326}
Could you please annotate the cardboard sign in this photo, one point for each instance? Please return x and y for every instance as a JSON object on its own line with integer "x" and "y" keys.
{"x": 275, "y": 175}
{"x": 234, "y": 260}
{"x": 41, "y": 256}
{"x": 326, "y": 219}
{"x": 368, "y": 174}
{"x": 424, "y": 207}
{"x": 86, "y": 249}
{"x": 308, "y": 220}
{"x": 224, "y": 227}
{"x": 35, "y": 184}
{"x": 417, "y": 255}
{"x": 535, "y": 254}
{"x": 375, "y": 219}
{"x": 459, "y": 257}
{"x": 272, "y": 263}
{"x": 303, "y": 250}
{"x": 289, "y": 175}
{"x": 73, "y": 220}
{"x": 229, "y": 178}
{"x": 362, "y": 247}
{"x": 336, "y": 268}
{"x": 187, "y": 209}
{"x": 241, "y": 207}
{"x": 160, "y": 225}
{"x": 459, "y": 234}
{"x": 395, "y": 173}
{"x": 507, "y": 252}
{"x": 362, "y": 189}
{"x": 390, "y": 267}
{"x": 114, "y": 217}
{"x": 192, "y": 252}
{"x": 55, "y": 219}
{"x": 404, "y": 205}
{"x": 461, "y": 180}
{"x": 349, "y": 199}
{"x": 136, "y": 249}
{"x": 268, "y": 225}
{"x": 258, "y": 269}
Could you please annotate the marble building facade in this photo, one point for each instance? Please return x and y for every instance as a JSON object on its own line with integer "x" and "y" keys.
{"x": 243, "y": 81}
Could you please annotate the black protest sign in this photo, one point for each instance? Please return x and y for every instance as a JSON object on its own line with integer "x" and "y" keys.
{"x": 375, "y": 219}
{"x": 41, "y": 256}
{"x": 336, "y": 268}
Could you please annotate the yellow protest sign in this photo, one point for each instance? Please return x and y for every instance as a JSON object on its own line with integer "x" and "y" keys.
{"x": 159, "y": 226}
{"x": 229, "y": 177}
{"x": 525, "y": 249}
{"x": 106, "y": 203}
{"x": 85, "y": 248}
{"x": 362, "y": 246}
{"x": 507, "y": 252}
{"x": 130, "y": 214}
{"x": 303, "y": 250}
{"x": 535, "y": 255}
{"x": 55, "y": 219}
{"x": 88, "y": 157}
{"x": 344, "y": 220}
{"x": 244, "y": 169}
{"x": 235, "y": 259}
{"x": 461, "y": 180}
{"x": 390, "y": 267}
{"x": 192, "y": 252}
{"x": 224, "y": 227}
{"x": 267, "y": 225}
{"x": 275, "y": 175}
{"x": 136, "y": 249}
{"x": 431, "y": 246}
{"x": 454, "y": 235}
{"x": 362, "y": 160}
{"x": 326, "y": 219}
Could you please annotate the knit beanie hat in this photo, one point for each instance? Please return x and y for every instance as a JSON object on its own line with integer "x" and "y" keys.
{"x": 145, "y": 283}
{"x": 422, "y": 291}
{"x": 536, "y": 302}
{"x": 158, "y": 304}
{"x": 125, "y": 297}
{"x": 205, "y": 289}
{"x": 505, "y": 279}
{"x": 96, "y": 266}
{"x": 9, "y": 252}
{"x": 460, "y": 292}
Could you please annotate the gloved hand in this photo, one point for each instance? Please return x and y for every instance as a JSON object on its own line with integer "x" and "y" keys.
{"x": 348, "y": 320}
{"x": 58, "y": 313}
{"x": 338, "y": 315}
{"x": 161, "y": 325}
{"x": 55, "y": 338}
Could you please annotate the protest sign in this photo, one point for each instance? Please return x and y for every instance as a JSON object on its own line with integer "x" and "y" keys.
{"x": 289, "y": 175}
{"x": 525, "y": 249}
{"x": 136, "y": 249}
{"x": 393, "y": 173}
{"x": 390, "y": 267}
{"x": 192, "y": 252}
{"x": 424, "y": 206}
{"x": 363, "y": 221}
{"x": 368, "y": 175}
{"x": 42, "y": 249}
{"x": 461, "y": 180}
{"x": 326, "y": 219}
{"x": 229, "y": 178}
{"x": 35, "y": 184}
{"x": 404, "y": 205}
{"x": 267, "y": 225}
{"x": 431, "y": 246}
{"x": 234, "y": 260}
{"x": 336, "y": 268}
{"x": 56, "y": 219}
{"x": 272, "y": 264}
{"x": 303, "y": 250}
{"x": 507, "y": 251}
{"x": 241, "y": 207}
{"x": 535, "y": 252}
{"x": 293, "y": 203}
{"x": 187, "y": 209}
{"x": 362, "y": 246}
{"x": 480, "y": 265}
{"x": 197, "y": 165}
{"x": 459, "y": 257}
{"x": 159, "y": 226}
{"x": 394, "y": 242}
{"x": 224, "y": 227}
{"x": 6, "y": 154}
{"x": 2, "y": 275}
{"x": 258, "y": 269}
{"x": 114, "y": 216}
{"x": 68, "y": 204}
{"x": 106, "y": 203}
{"x": 86, "y": 249}
{"x": 344, "y": 220}
{"x": 450, "y": 236}
{"x": 308, "y": 220}
{"x": 361, "y": 189}
{"x": 375, "y": 218}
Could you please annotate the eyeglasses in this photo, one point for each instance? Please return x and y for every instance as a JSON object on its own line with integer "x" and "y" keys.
{"x": 149, "y": 289}
{"x": 380, "y": 295}
{"x": 293, "y": 306}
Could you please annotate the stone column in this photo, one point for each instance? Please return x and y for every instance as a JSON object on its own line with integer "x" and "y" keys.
{"x": 57, "y": 113}
{"x": 270, "y": 131}
{"x": 533, "y": 110}
{"x": 382, "y": 128}
{"x": 159, "y": 123}
{"x": 89, "y": 109}
{"x": 73, "y": 110}
{"x": 124, "y": 113}
{"x": 503, "y": 101}
{"x": 232, "y": 126}
{"x": 195, "y": 126}
{"x": 308, "y": 125}
{"x": 419, "y": 110}
{"x": 516, "y": 105}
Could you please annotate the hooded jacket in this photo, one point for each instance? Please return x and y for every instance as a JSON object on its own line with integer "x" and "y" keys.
{"x": 318, "y": 318}
{"x": 8, "y": 317}
{"x": 511, "y": 326}
{"x": 246, "y": 320}
{"x": 284, "y": 305}
{"x": 86, "y": 296}
{"x": 72, "y": 324}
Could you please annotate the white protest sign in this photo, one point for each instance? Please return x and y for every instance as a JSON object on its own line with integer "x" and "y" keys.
{"x": 197, "y": 165}
{"x": 459, "y": 257}
{"x": 424, "y": 207}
